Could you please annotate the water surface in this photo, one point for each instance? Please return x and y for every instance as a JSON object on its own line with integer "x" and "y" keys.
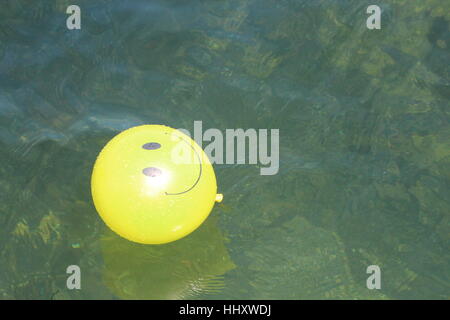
{"x": 364, "y": 146}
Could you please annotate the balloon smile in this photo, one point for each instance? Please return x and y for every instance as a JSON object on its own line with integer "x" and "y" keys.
{"x": 161, "y": 177}
{"x": 199, "y": 173}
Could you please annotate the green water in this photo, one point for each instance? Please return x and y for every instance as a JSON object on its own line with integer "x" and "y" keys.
{"x": 364, "y": 146}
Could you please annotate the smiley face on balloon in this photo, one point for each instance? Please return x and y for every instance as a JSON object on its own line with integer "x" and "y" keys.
{"x": 153, "y": 184}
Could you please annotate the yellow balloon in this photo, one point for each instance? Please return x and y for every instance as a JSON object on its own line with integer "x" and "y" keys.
{"x": 153, "y": 184}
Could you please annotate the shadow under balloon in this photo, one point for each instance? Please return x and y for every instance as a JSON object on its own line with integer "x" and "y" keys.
{"x": 184, "y": 269}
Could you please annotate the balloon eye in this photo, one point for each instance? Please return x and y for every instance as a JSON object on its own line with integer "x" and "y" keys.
{"x": 151, "y": 146}
{"x": 152, "y": 172}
